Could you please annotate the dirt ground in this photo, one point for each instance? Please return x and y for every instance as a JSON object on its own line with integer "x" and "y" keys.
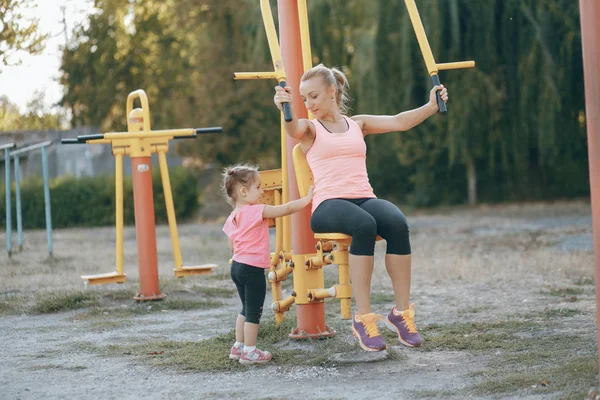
{"x": 505, "y": 302}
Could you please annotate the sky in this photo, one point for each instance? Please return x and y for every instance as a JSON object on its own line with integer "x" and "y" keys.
{"x": 41, "y": 72}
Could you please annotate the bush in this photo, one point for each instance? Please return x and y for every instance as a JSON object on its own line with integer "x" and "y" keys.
{"x": 90, "y": 201}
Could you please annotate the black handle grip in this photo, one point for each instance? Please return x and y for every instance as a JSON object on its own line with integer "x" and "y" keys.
{"x": 70, "y": 141}
{"x": 287, "y": 109}
{"x": 85, "y": 138}
{"x": 213, "y": 129}
{"x": 436, "y": 81}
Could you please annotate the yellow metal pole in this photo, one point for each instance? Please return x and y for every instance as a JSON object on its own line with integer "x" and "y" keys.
{"x": 254, "y": 75}
{"x": 417, "y": 24}
{"x": 166, "y": 183}
{"x": 456, "y": 65}
{"x": 304, "y": 35}
{"x": 265, "y": 9}
{"x": 119, "y": 208}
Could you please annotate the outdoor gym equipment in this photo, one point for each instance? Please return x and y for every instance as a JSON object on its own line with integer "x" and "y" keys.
{"x": 432, "y": 67}
{"x": 16, "y": 154}
{"x": 7, "y": 147}
{"x": 139, "y": 143}
{"x": 331, "y": 248}
{"x": 279, "y": 72}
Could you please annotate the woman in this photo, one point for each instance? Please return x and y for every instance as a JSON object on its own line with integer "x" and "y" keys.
{"x": 343, "y": 199}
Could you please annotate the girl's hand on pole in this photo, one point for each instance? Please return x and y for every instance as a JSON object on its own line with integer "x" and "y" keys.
{"x": 443, "y": 95}
{"x": 282, "y": 96}
{"x": 309, "y": 195}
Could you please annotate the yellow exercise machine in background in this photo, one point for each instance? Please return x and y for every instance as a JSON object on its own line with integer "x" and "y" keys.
{"x": 139, "y": 143}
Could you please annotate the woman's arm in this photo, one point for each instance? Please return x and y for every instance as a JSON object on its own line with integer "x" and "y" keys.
{"x": 375, "y": 124}
{"x": 300, "y": 129}
{"x": 288, "y": 208}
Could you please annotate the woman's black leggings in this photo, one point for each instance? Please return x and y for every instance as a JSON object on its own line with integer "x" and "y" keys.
{"x": 364, "y": 219}
{"x": 252, "y": 288}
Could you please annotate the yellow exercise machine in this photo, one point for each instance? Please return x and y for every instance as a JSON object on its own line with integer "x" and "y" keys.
{"x": 139, "y": 143}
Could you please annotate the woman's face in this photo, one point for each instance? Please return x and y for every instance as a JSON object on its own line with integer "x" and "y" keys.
{"x": 317, "y": 96}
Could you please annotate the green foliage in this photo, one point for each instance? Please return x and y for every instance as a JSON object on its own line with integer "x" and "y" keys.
{"x": 515, "y": 129}
{"x": 18, "y": 33}
{"x": 91, "y": 201}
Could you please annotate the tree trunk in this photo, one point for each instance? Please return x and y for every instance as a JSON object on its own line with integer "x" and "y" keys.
{"x": 472, "y": 181}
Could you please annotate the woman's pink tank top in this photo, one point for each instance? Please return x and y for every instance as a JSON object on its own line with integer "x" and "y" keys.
{"x": 339, "y": 164}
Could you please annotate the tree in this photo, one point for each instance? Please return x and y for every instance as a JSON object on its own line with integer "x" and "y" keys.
{"x": 17, "y": 31}
{"x": 37, "y": 117}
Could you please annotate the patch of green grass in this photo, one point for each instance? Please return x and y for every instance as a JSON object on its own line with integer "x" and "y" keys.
{"x": 473, "y": 310}
{"x": 59, "y": 302}
{"x": 567, "y": 377}
{"x": 563, "y": 292}
{"x": 133, "y": 309}
{"x": 213, "y": 354}
{"x": 383, "y": 298}
{"x": 524, "y": 353}
{"x": 10, "y": 307}
{"x": 585, "y": 281}
{"x": 557, "y": 313}
{"x": 55, "y": 366}
{"x": 215, "y": 291}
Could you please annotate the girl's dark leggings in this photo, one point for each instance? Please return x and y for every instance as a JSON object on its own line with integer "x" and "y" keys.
{"x": 252, "y": 288}
{"x": 364, "y": 219}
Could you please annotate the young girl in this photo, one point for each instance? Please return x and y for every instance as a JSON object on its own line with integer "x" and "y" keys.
{"x": 248, "y": 232}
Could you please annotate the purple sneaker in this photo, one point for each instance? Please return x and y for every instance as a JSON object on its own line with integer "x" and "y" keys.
{"x": 364, "y": 327}
{"x": 404, "y": 325}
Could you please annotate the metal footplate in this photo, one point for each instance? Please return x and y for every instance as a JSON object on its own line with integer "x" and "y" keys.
{"x": 194, "y": 270}
{"x": 101, "y": 279}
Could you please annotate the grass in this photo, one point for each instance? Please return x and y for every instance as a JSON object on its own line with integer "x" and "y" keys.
{"x": 60, "y": 302}
{"x": 211, "y": 355}
{"x": 523, "y": 355}
{"x": 117, "y": 302}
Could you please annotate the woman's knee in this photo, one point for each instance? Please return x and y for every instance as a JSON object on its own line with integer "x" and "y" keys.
{"x": 363, "y": 238}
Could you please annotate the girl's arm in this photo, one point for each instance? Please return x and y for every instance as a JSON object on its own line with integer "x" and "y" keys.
{"x": 288, "y": 208}
{"x": 231, "y": 246}
{"x": 375, "y": 124}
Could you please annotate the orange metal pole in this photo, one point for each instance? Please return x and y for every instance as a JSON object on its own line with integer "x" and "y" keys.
{"x": 145, "y": 229}
{"x": 310, "y": 317}
{"x": 590, "y": 38}
{"x": 291, "y": 50}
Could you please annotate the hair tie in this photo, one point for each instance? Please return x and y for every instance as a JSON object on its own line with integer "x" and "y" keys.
{"x": 231, "y": 171}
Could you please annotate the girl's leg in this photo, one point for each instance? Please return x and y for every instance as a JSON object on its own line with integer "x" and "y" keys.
{"x": 238, "y": 278}
{"x": 343, "y": 216}
{"x": 239, "y": 328}
{"x": 256, "y": 289}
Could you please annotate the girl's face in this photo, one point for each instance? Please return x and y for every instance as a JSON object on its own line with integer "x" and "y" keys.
{"x": 317, "y": 96}
{"x": 253, "y": 193}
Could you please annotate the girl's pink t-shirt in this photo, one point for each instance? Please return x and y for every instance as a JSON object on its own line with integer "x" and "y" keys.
{"x": 249, "y": 233}
{"x": 339, "y": 164}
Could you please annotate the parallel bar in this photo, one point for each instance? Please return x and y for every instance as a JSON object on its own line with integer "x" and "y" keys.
{"x": 8, "y": 206}
{"x": 18, "y": 199}
{"x": 7, "y": 146}
{"x": 47, "y": 200}
{"x": 32, "y": 147}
